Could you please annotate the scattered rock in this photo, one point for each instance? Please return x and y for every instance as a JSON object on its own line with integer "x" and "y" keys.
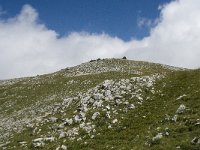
{"x": 61, "y": 126}
{"x": 64, "y": 147}
{"x": 97, "y": 104}
{"x": 108, "y": 114}
{"x": 108, "y": 107}
{"x": 87, "y": 126}
{"x": 115, "y": 121}
{"x": 157, "y": 137}
{"x": 107, "y": 97}
{"x": 4, "y": 145}
{"x": 180, "y": 97}
{"x": 181, "y": 109}
{"x": 78, "y": 118}
{"x": 197, "y": 124}
{"x": 62, "y": 135}
{"x": 98, "y": 96}
{"x": 195, "y": 141}
{"x": 175, "y": 118}
{"x": 58, "y": 148}
{"x": 23, "y": 142}
{"x": 72, "y": 132}
{"x": 95, "y": 115}
{"x": 167, "y": 133}
{"x": 53, "y": 119}
{"x": 69, "y": 121}
{"x": 178, "y": 146}
{"x": 107, "y": 85}
{"x": 38, "y": 142}
{"x": 49, "y": 139}
{"x": 79, "y": 139}
{"x": 132, "y": 106}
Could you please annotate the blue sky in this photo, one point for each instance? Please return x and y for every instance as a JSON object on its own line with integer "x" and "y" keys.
{"x": 44, "y": 36}
{"x": 114, "y": 17}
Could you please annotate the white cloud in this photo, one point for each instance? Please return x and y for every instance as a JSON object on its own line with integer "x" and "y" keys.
{"x": 29, "y": 48}
{"x": 176, "y": 38}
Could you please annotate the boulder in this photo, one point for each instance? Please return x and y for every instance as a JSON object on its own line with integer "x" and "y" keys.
{"x": 181, "y": 109}
{"x": 68, "y": 121}
{"x": 115, "y": 121}
{"x": 63, "y": 147}
{"x": 95, "y": 115}
{"x": 157, "y": 137}
{"x": 195, "y": 141}
{"x": 49, "y": 139}
{"x": 53, "y": 119}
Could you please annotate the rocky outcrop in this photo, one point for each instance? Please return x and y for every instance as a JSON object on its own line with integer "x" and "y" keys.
{"x": 106, "y": 97}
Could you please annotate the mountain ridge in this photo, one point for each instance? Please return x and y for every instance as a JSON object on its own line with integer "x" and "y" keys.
{"x": 97, "y": 61}
{"x": 126, "y": 86}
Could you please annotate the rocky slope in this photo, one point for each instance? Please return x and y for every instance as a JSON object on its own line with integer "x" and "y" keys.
{"x": 104, "y": 104}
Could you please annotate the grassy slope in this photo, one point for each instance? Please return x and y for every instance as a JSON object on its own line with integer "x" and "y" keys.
{"x": 23, "y": 93}
{"x": 139, "y": 130}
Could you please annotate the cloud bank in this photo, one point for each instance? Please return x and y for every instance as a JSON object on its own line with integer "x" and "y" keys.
{"x": 28, "y": 47}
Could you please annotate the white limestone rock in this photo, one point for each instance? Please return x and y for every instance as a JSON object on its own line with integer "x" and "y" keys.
{"x": 175, "y": 118}
{"x": 107, "y": 84}
{"x": 108, "y": 107}
{"x": 118, "y": 101}
{"x": 49, "y": 139}
{"x": 77, "y": 118}
{"x": 157, "y": 137}
{"x": 67, "y": 102}
{"x": 79, "y": 139}
{"x": 95, "y": 115}
{"x": 98, "y": 96}
{"x": 132, "y": 106}
{"x": 108, "y": 93}
{"x": 181, "y": 109}
{"x": 62, "y": 135}
{"x": 72, "y": 132}
{"x": 115, "y": 121}
{"x": 23, "y": 144}
{"x": 63, "y": 147}
{"x": 98, "y": 104}
{"x": 53, "y": 119}
{"x": 61, "y": 126}
{"x": 38, "y": 142}
{"x": 195, "y": 141}
{"x": 182, "y": 96}
{"x": 88, "y": 127}
{"x": 69, "y": 121}
{"x": 108, "y": 114}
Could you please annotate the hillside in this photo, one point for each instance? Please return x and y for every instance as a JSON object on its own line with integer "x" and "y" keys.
{"x": 104, "y": 104}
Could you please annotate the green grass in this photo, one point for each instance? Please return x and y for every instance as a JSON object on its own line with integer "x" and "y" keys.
{"x": 141, "y": 130}
{"x": 137, "y": 127}
{"x": 28, "y": 91}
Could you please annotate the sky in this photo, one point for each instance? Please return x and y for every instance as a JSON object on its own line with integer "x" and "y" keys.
{"x": 114, "y": 17}
{"x": 43, "y": 36}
